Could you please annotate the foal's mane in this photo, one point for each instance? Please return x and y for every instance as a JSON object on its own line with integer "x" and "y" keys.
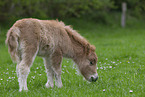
{"x": 79, "y": 39}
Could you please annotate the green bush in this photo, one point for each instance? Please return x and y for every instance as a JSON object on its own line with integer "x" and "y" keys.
{"x": 51, "y": 8}
{"x": 90, "y": 9}
{"x": 134, "y": 7}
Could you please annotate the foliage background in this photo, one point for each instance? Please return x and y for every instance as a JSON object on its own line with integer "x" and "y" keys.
{"x": 97, "y": 10}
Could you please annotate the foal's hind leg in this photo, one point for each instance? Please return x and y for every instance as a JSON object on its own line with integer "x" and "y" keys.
{"x": 23, "y": 69}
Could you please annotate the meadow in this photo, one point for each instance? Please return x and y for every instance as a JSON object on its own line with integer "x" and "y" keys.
{"x": 121, "y": 65}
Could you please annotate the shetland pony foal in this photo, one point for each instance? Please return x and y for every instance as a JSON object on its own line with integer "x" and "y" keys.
{"x": 51, "y": 40}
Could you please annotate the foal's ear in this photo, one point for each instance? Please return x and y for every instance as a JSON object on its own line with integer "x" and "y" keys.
{"x": 93, "y": 48}
{"x": 87, "y": 49}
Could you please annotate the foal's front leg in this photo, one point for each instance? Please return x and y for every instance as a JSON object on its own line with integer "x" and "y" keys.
{"x": 56, "y": 66}
{"x": 49, "y": 71}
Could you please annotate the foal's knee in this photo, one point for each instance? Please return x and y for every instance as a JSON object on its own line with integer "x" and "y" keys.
{"x": 23, "y": 68}
{"x": 57, "y": 71}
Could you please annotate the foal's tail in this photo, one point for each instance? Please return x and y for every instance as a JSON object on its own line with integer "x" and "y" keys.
{"x": 13, "y": 43}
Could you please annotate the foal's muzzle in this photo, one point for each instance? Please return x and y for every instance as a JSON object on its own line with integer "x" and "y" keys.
{"x": 93, "y": 78}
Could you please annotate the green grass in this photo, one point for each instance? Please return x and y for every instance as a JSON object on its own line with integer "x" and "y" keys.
{"x": 121, "y": 66}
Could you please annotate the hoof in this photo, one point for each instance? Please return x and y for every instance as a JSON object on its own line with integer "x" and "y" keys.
{"x": 20, "y": 90}
{"x": 26, "y": 90}
{"x": 59, "y": 85}
{"x": 49, "y": 85}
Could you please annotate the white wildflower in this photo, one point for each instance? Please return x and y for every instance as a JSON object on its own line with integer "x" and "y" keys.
{"x": 131, "y": 91}
{"x": 110, "y": 66}
{"x": 101, "y": 67}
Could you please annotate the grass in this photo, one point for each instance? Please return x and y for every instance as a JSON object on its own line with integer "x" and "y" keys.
{"x": 121, "y": 69}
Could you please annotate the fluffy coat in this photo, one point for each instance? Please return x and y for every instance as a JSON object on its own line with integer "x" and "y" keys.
{"x": 52, "y": 40}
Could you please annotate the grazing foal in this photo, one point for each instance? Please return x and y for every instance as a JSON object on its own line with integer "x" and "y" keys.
{"x": 51, "y": 40}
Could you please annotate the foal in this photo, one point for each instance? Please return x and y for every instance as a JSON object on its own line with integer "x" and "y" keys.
{"x": 52, "y": 40}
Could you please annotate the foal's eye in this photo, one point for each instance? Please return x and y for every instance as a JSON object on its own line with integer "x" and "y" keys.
{"x": 91, "y": 63}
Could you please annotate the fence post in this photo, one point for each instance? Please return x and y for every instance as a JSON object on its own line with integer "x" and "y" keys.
{"x": 123, "y": 17}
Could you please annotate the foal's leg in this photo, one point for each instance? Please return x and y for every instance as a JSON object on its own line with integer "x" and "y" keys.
{"x": 56, "y": 66}
{"x": 23, "y": 69}
{"x": 22, "y": 72}
{"x": 49, "y": 71}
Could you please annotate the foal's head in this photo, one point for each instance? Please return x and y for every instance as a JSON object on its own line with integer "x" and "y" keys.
{"x": 87, "y": 64}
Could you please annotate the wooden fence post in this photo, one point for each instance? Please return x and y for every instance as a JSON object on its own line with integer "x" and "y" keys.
{"x": 123, "y": 17}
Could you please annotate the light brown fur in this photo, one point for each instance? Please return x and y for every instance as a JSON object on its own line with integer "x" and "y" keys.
{"x": 51, "y": 40}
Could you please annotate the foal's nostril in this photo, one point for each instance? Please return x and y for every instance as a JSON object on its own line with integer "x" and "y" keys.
{"x": 94, "y": 79}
